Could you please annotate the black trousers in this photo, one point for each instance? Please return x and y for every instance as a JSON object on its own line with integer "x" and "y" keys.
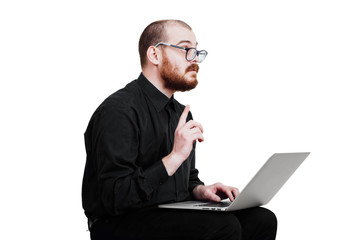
{"x": 164, "y": 224}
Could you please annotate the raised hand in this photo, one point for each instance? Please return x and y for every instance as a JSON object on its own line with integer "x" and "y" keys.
{"x": 185, "y": 135}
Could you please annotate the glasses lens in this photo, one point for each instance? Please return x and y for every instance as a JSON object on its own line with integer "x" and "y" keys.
{"x": 202, "y": 55}
{"x": 191, "y": 54}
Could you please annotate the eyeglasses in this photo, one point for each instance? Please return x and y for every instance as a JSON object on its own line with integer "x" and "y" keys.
{"x": 190, "y": 54}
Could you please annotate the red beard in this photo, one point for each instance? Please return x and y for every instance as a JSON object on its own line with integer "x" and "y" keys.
{"x": 175, "y": 81}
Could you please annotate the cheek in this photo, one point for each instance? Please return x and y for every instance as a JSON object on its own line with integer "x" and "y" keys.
{"x": 179, "y": 68}
{"x": 182, "y": 66}
{"x": 177, "y": 63}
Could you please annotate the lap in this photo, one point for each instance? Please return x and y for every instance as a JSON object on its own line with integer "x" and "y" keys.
{"x": 175, "y": 224}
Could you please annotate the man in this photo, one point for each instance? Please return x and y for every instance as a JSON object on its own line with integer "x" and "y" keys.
{"x": 140, "y": 146}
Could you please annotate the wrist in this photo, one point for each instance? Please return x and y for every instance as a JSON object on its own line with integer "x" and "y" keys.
{"x": 197, "y": 192}
{"x": 172, "y": 162}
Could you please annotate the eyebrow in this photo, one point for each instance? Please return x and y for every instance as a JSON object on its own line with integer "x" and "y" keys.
{"x": 186, "y": 41}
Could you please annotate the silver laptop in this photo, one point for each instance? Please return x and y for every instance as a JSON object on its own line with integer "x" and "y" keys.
{"x": 259, "y": 191}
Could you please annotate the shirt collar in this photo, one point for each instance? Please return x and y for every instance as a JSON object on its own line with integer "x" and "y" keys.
{"x": 157, "y": 98}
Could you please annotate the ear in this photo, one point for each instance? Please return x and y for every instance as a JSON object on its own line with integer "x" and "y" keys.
{"x": 153, "y": 55}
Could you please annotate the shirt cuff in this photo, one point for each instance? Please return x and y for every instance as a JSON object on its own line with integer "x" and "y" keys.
{"x": 192, "y": 185}
{"x": 156, "y": 174}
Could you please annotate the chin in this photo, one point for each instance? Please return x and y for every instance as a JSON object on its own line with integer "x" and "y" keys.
{"x": 192, "y": 78}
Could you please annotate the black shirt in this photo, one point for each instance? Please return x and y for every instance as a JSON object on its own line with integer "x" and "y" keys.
{"x": 126, "y": 139}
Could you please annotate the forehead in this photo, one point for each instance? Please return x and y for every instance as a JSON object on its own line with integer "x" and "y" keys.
{"x": 177, "y": 34}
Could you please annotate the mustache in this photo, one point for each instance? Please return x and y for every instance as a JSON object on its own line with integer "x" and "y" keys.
{"x": 193, "y": 67}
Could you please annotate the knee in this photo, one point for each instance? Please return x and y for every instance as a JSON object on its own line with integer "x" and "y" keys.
{"x": 266, "y": 223}
{"x": 267, "y": 217}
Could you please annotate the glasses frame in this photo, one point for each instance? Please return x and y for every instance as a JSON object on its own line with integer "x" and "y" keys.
{"x": 187, "y": 51}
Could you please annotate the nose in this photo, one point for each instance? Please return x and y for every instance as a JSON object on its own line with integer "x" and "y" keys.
{"x": 196, "y": 59}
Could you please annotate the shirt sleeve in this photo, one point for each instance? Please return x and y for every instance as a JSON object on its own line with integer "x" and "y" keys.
{"x": 115, "y": 139}
{"x": 194, "y": 179}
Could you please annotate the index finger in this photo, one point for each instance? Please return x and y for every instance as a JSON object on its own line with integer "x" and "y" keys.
{"x": 183, "y": 116}
{"x": 236, "y": 192}
{"x": 231, "y": 192}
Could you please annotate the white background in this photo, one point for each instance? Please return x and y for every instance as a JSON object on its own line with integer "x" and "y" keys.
{"x": 281, "y": 76}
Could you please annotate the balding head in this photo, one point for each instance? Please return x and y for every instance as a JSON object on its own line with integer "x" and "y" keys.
{"x": 155, "y": 33}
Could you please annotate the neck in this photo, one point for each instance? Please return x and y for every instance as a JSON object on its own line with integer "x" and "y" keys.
{"x": 155, "y": 78}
